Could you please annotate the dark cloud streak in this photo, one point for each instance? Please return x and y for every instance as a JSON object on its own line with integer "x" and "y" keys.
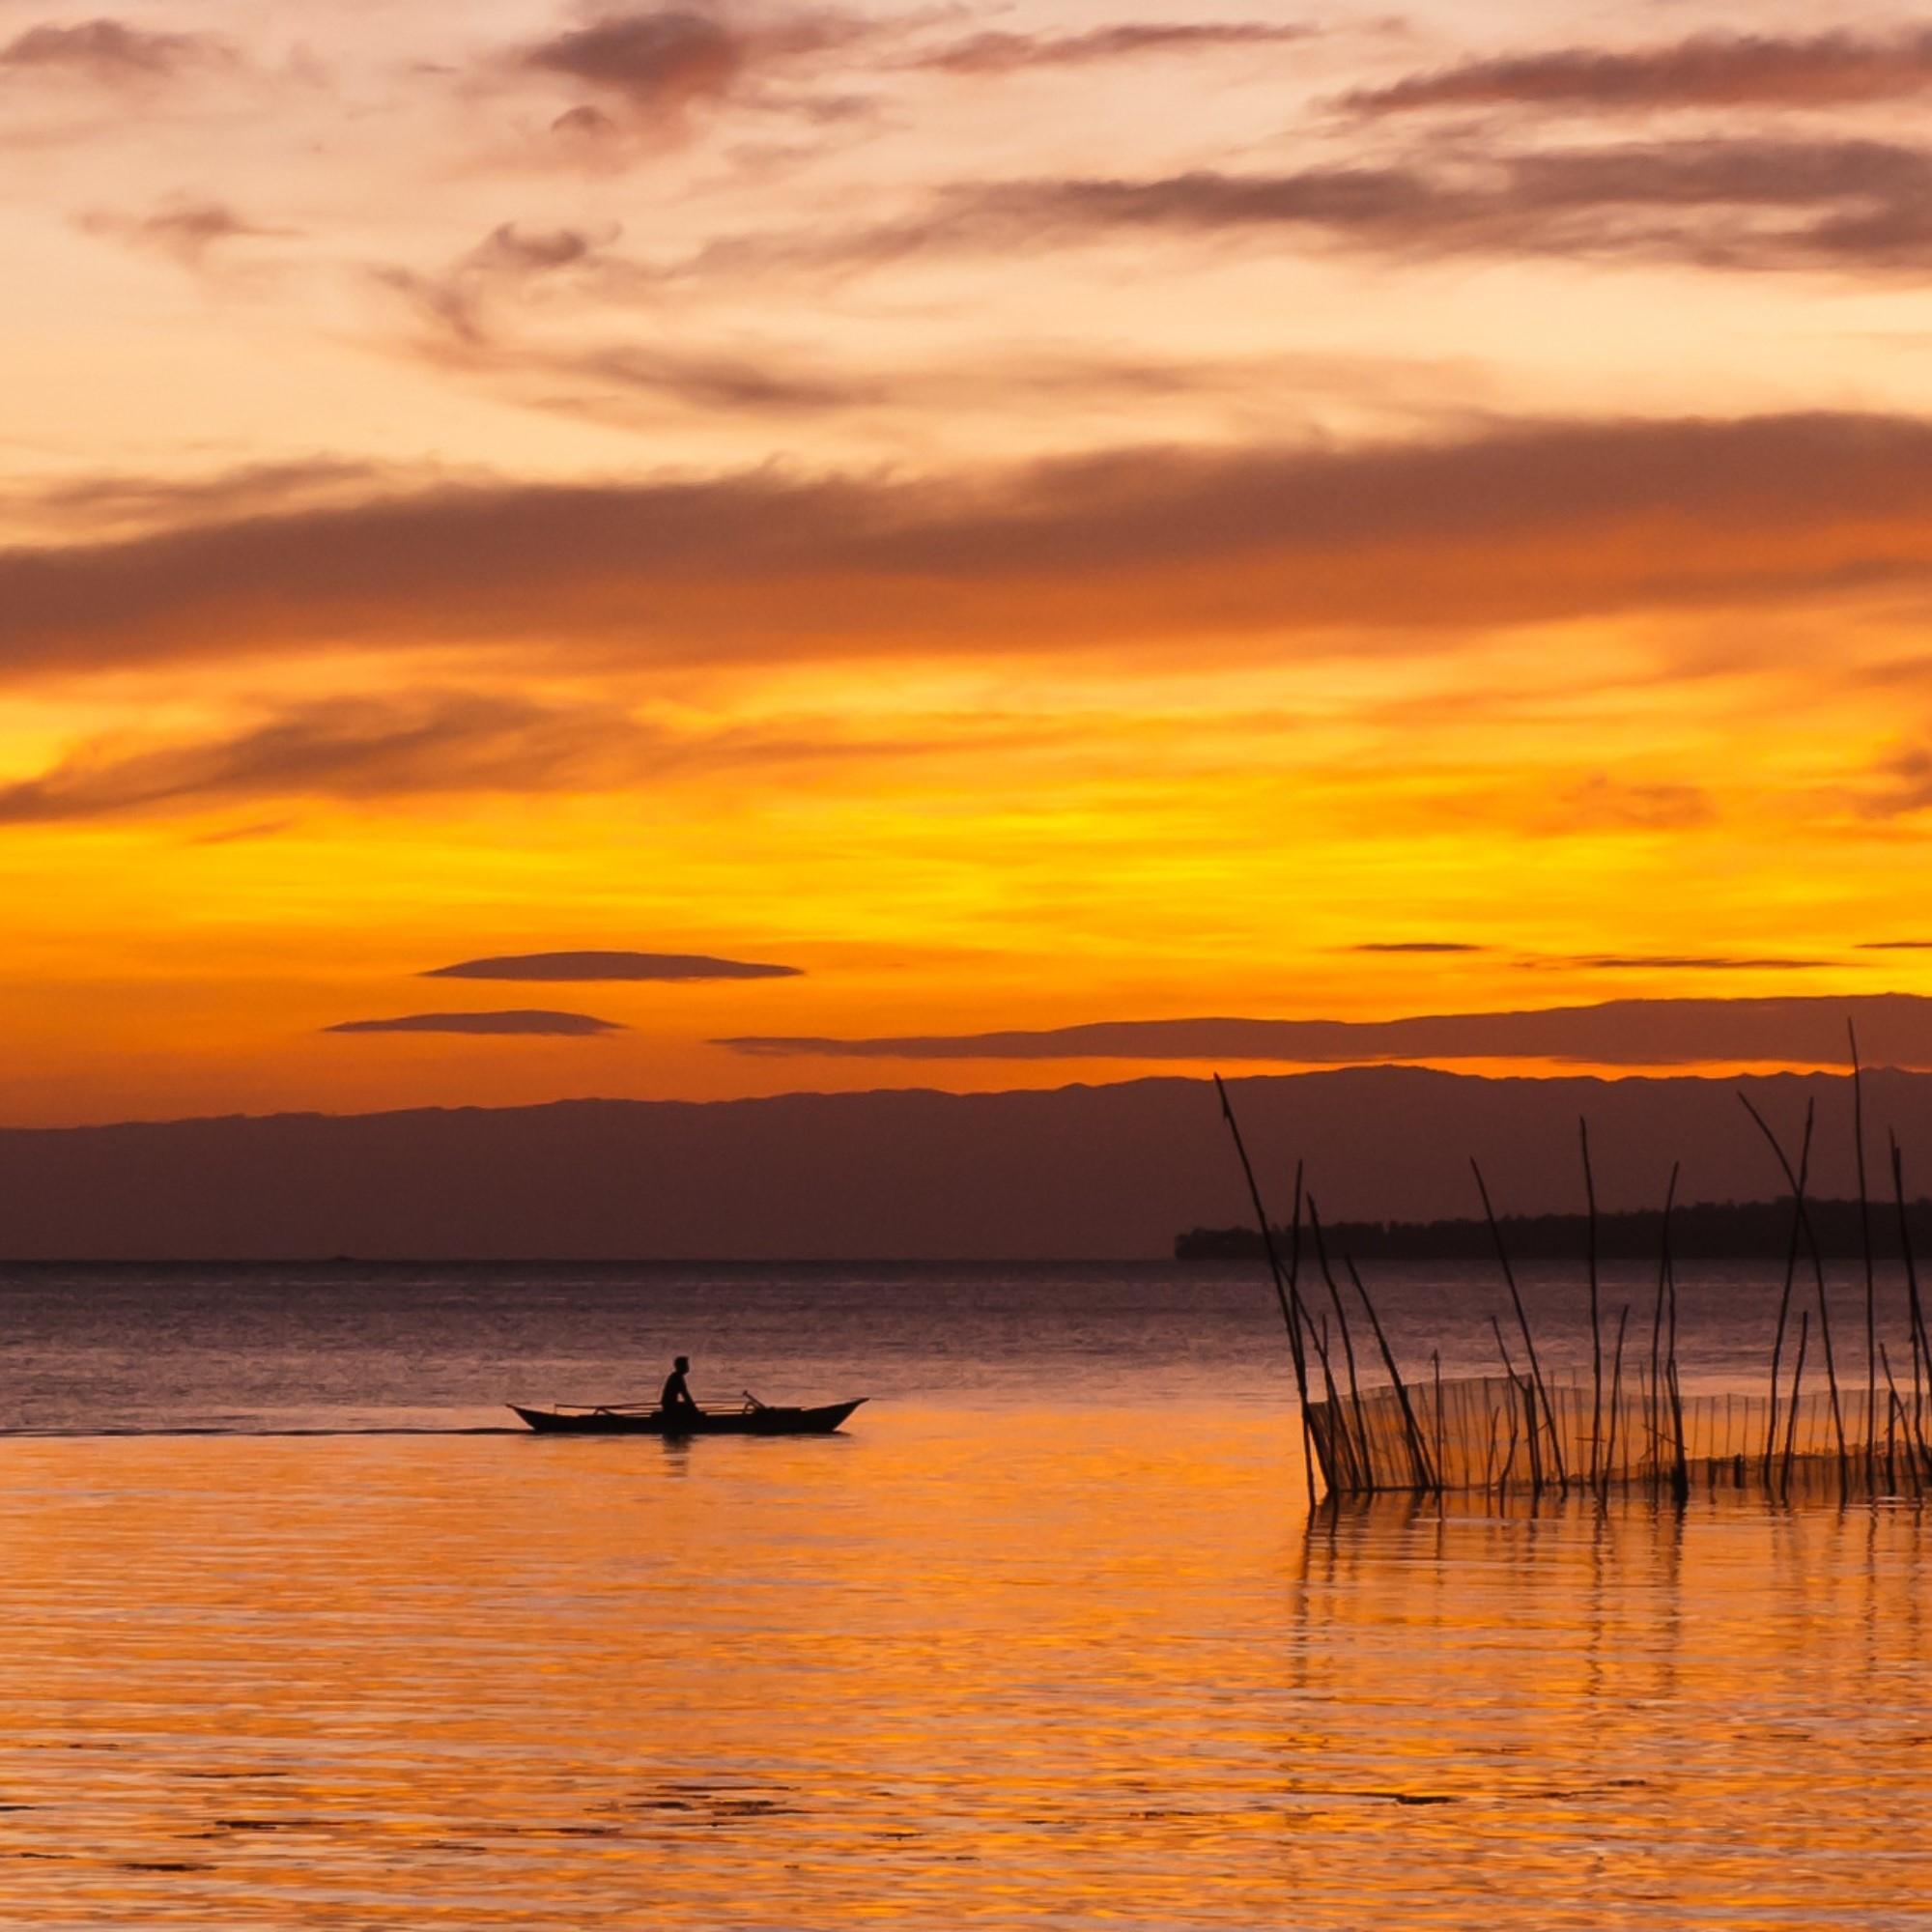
{"x": 1421, "y": 946}
{"x": 998, "y": 54}
{"x": 533, "y": 1024}
{"x": 1743, "y": 204}
{"x": 112, "y": 53}
{"x": 346, "y": 748}
{"x": 661, "y": 63}
{"x": 590, "y": 967}
{"x": 1709, "y": 71}
{"x": 1507, "y": 524}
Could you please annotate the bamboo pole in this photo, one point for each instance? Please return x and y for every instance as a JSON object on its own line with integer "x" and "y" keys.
{"x": 1296, "y": 1345}
{"x": 1891, "y": 1415}
{"x": 1796, "y": 1383}
{"x": 1680, "y": 1474}
{"x": 1436, "y": 1369}
{"x": 1616, "y": 1400}
{"x": 1790, "y": 1280}
{"x": 1288, "y": 1298}
{"x": 1368, "y": 1458}
{"x": 1864, "y": 1236}
{"x": 1596, "y": 1328}
{"x": 1818, "y": 1273}
{"x": 1654, "y": 1396}
{"x": 1519, "y": 1388}
{"x": 1919, "y": 1346}
{"x": 1424, "y": 1475}
{"x": 1522, "y": 1321}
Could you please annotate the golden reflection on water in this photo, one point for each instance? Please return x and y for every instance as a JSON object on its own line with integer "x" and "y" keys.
{"x": 997, "y": 1667}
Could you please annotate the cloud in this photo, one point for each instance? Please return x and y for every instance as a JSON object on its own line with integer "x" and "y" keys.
{"x": 464, "y": 304}
{"x": 1804, "y": 1030}
{"x": 1845, "y": 204}
{"x": 1704, "y": 71}
{"x": 1006, "y": 53}
{"x": 1895, "y": 946}
{"x": 456, "y": 299}
{"x": 1417, "y": 946}
{"x": 1613, "y": 804}
{"x": 1508, "y": 522}
{"x": 425, "y": 743}
{"x": 1691, "y": 963}
{"x": 575, "y": 1026}
{"x": 1901, "y": 785}
{"x": 584, "y": 967}
{"x": 92, "y": 505}
{"x": 112, "y": 53}
{"x": 184, "y": 230}
{"x": 434, "y": 742}
{"x": 1749, "y": 204}
{"x": 660, "y": 63}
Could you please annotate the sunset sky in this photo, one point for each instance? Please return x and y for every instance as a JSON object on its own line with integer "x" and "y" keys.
{"x": 1029, "y": 515}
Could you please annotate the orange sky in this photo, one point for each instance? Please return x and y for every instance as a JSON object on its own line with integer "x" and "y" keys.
{"x": 1031, "y": 514}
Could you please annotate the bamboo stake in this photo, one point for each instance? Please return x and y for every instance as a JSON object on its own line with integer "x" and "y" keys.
{"x": 1919, "y": 1346}
{"x": 1425, "y": 1476}
{"x": 1865, "y": 1236}
{"x": 1347, "y": 1350}
{"x": 1680, "y": 1479}
{"x": 1892, "y": 1416}
{"x": 1654, "y": 1398}
{"x": 1596, "y": 1330}
{"x": 1818, "y": 1273}
{"x": 1509, "y": 1461}
{"x": 1522, "y": 1321}
{"x": 1296, "y": 1316}
{"x": 1790, "y": 1280}
{"x": 1519, "y": 1387}
{"x": 1436, "y": 1369}
{"x": 1616, "y": 1400}
{"x": 1797, "y": 1382}
{"x": 1288, "y": 1299}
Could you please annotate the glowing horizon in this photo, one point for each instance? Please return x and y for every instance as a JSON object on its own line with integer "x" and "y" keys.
{"x": 1030, "y": 517}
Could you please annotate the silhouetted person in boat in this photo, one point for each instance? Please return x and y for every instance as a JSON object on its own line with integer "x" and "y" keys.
{"x": 675, "y": 1400}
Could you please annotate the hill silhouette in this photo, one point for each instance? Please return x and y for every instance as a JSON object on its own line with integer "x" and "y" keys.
{"x": 1079, "y": 1172}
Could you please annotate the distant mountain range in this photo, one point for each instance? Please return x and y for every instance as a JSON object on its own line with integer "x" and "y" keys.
{"x": 1080, "y": 1172}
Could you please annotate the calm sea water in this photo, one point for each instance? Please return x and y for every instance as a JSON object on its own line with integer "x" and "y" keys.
{"x": 1046, "y": 1638}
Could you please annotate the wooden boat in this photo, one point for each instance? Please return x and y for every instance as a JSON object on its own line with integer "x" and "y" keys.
{"x": 756, "y": 1418}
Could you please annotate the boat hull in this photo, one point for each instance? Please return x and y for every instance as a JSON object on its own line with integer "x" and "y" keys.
{"x": 730, "y": 1422}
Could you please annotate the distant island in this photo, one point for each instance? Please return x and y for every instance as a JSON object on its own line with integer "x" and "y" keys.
{"x": 1701, "y": 1231}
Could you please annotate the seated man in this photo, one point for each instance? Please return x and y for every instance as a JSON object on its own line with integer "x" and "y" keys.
{"x": 675, "y": 1400}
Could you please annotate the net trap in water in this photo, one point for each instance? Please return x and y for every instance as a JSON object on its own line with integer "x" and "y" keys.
{"x": 1369, "y": 1430}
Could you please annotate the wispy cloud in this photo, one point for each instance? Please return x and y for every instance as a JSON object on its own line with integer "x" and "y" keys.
{"x": 998, "y": 55}
{"x": 656, "y": 65}
{"x": 1695, "y": 962}
{"x": 536, "y": 1023}
{"x": 1748, "y": 203}
{"x": 456, "y": 299}
{"x": 434, "y": 742}
{"x": 185, "y": 231}
{"x": 112, "y": 53}
{"x": 1424, "y": 946}
{"x": 1507, "y": 524}
{"x": 595, "y": 966}
{"x": 437, "y": 743}
{"x": 1711, "y": 70}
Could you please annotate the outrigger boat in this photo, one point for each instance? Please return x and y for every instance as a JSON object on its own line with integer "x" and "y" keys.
{"x": 756, "y": 1418}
